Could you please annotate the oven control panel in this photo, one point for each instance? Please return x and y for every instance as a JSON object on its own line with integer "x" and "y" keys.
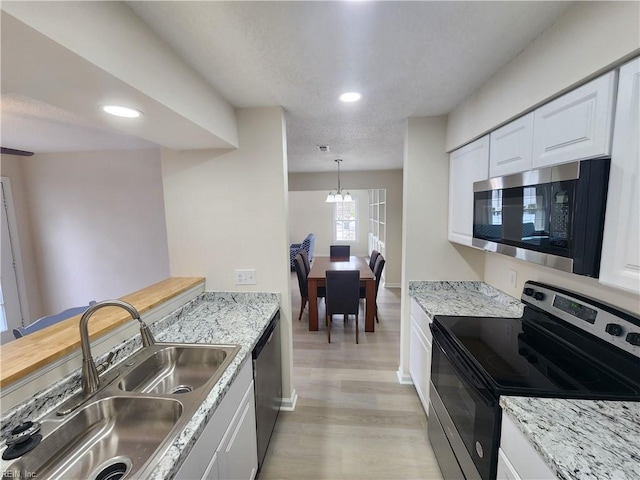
{"x": 617, "y": 327}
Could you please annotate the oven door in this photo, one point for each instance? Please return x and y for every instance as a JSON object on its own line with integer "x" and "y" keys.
{"x": 467, "y": 411}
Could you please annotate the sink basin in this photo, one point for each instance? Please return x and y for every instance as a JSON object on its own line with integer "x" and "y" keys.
{"x": 178, "y": 369}
{"x": 107, "y": 439}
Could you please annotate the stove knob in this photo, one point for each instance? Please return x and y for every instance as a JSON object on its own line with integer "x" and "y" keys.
{"x": 613, "y": 329}
{"x": 528, "y": 291}
{"x": 539, "y": 296}
{"x": 633, "y": 338}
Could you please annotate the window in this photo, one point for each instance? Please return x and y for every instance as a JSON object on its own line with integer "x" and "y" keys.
{"x": 345, "y": 221}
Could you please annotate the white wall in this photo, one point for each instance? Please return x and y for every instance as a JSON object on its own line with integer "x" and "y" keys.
{"x": 391, "y": 180}
{"x": 98, "y": 224}
{"x": 497, "y": 274}
{"x": 426, "y": 252}
{"x": 228, "y": 211}
{"x": 309, "y": 213}
{"x": 587, "y": 39}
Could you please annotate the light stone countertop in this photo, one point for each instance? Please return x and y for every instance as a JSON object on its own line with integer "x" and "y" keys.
{"x": 581, "y": 439}
{"x": 222, "y": 318}
{"x": 578, "y": 439}
{"x": 474, "y": 299}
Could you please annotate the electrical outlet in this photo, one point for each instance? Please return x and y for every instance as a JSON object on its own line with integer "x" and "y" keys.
{"x": 246, "y": 277}
{"x": 513, "y": 278}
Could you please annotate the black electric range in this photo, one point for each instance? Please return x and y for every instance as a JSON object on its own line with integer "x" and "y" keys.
{"x": 565, "y": 345}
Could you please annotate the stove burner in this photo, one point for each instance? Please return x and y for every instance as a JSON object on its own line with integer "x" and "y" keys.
{"x": 516, "y": 368}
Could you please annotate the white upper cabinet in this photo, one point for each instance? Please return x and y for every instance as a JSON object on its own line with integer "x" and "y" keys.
{"x": 576, "y": 125}
{"x": 620, "y": 263}
{"x": 511, "y": 147}
{"x": 466, "y": 165}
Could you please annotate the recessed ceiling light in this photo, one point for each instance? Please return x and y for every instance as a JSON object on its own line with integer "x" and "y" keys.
{"x": 119, "y": 111}
{"x": 350, "y": 97}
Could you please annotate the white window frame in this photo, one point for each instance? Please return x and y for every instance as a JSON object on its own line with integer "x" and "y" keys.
{"x": 356, "y": 204}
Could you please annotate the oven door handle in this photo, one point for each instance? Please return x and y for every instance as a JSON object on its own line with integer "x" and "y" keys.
{"x": 478, "y": 386}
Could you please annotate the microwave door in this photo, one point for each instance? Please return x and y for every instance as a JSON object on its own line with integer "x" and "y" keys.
{"x": 487, "y": 211}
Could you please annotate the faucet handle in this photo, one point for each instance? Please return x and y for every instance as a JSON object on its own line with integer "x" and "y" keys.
{"x": 104, "y": 365}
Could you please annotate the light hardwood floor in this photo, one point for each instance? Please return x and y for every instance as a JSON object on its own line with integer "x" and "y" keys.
{"x": 353, "y": 420}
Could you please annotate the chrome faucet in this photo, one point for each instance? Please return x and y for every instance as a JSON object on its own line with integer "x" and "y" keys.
{"x": 91, "y": 372}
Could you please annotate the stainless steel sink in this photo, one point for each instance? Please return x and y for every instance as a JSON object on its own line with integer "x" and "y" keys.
{"x": 141, "y": 407}
{"x": 178, "y": 369}
{"x": 112, "y": 434}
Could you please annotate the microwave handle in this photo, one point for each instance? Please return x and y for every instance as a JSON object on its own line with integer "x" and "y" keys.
{"x": 478, "y": 386}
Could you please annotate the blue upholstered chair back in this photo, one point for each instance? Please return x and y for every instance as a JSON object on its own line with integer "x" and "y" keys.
{"x": 307, "y": 245}
{"x": 50, "y": 320}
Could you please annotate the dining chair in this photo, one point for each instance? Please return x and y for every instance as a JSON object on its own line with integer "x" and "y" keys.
{"x": 342, "y": 296}
{"x": 302, "y": 275}
{"x": 373, "y": 258}
{"x": 305, "y": 259}
{"x": 377, "y": 271}
{"x": 49, "y": 320}
{"x": 339, "y": 251}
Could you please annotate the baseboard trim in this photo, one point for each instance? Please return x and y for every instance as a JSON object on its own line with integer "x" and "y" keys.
{"x": 289, "y": 404}
{"x": 392, "y": 285}
{"x": 404, "y": 378}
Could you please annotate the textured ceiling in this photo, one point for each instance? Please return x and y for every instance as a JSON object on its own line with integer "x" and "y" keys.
{"x": 407, "y": 58}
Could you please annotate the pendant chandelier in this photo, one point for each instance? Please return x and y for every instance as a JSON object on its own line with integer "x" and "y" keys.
{"x": 337, "y": 197}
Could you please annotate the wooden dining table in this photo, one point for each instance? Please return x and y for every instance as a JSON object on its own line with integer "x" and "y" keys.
{"x": 316, "y": 278}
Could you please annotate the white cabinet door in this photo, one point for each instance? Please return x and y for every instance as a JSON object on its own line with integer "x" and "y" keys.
{"x": 420, "y": 363}
{"x": 575, "y": 126}
{"x": 505, "y": 469}
{"x": 522, "y": 459}
{"x": 466, "y": 165}
{"x": 203, "y": 462}
{"x": 238, "y": 451}
{"x": 620, "y": 263}
{"x": 211, "y": 473}
{"x": 512, "y": 147}
{"x": 420, "y": 353}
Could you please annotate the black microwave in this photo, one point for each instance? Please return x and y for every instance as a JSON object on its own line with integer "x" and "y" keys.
{"x": 551, "y": 216}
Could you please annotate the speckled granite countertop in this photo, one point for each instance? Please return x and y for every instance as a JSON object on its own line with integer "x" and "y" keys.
{"x": 581, "y": 439}
{"x": 227, "y": 318}
{"x": 578, "y": 439}
{"x": 475, "y": 299}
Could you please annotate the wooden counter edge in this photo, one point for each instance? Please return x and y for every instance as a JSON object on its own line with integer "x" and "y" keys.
{"x": 25, "y": 355}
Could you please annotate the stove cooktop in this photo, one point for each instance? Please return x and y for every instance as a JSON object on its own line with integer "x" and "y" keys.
{"x": 543, "y": 355}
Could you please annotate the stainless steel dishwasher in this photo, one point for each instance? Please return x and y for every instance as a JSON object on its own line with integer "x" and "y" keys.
{"x": 267, "y": 377}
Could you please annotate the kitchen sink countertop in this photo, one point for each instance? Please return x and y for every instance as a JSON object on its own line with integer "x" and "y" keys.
{"x": 211, "y": 318}
{"x": 229, "y": 318}
{"x": 581, "y": 439}
{"x": 476, "y": 299}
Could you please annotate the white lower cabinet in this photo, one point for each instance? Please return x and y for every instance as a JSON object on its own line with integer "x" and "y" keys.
{"x": 620, "y": 263}
{"x": 227, "y": 448}
{"x": 420, "y": 353}
{"x": 517, "y": 457}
